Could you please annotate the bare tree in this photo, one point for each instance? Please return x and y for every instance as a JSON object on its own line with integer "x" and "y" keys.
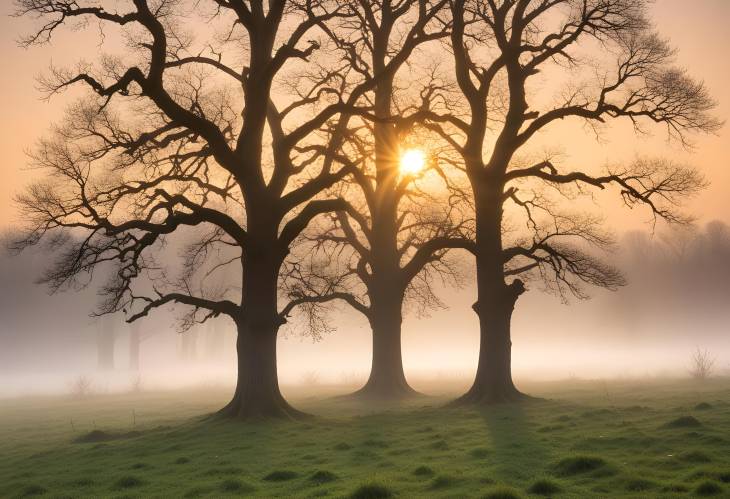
{"x": 396, "y": 229}
{"x": 181, "y": 133}
{"x": 81, "y": 387}
{"x": 501, "y": 49}
{"x": 703, "y": 364}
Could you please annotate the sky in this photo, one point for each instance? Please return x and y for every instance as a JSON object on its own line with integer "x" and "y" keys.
{"x": 699, "y": 32}
{"x": 698, "y": 29}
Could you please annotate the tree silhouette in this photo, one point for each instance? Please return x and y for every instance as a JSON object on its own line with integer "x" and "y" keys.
{"x": 192, "y": 133}
{"x": 397, "y": 227}
{"x": 501, "y": 50}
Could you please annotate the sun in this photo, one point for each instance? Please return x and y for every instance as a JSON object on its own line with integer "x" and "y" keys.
{"x": 412, "y": 161}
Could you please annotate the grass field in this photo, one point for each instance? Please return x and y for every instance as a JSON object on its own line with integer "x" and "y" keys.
{"x": 583, "y": 439}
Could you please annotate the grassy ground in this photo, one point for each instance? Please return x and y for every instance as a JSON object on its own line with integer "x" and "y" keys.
{"x": 584, "y": 439}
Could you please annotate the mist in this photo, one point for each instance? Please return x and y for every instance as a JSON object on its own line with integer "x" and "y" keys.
{"x": 675, "y": 302}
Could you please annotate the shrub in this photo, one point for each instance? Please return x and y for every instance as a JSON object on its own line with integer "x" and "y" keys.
{"x": 702, "y": 364}
{"x": 81, "y": 387}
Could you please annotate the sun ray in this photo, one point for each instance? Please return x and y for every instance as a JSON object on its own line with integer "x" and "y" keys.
{"x": 412, "y": 161}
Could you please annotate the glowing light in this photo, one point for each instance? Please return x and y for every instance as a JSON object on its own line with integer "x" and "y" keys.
{"x": 412, "y": 161}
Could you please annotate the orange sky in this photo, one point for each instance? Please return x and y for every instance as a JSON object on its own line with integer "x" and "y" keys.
{"x": 698, "y": 29}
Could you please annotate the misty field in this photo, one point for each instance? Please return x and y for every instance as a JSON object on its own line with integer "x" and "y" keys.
{"x": 580, "y": 439}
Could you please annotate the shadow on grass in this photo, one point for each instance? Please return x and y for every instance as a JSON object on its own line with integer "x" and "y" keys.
{"x": 518, "y": 452}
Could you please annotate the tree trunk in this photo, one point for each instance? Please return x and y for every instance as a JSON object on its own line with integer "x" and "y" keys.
{"x": 387, "y": 379}
{"x": 257, "y": 394}
{"x": 493, "y": 381}
{"x": 494, "y": 306}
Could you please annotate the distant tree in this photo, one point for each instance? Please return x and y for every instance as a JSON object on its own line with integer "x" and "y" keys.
{"x": 29, "y": 317}
{"x": 679, "y": 279}
{"x": 135, "y": 343}
{"x": 137, "y": 336}
{"x": 188, "y": 345}
{"x": 501, "y": 50}
{"x": 709, "y": 265}
{"x": 106, "y": 332}
{"x": 179, "y": 133}
{"x": 215, "y": 339}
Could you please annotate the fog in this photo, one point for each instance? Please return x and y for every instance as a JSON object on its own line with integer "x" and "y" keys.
{"x": 676, "y": 301}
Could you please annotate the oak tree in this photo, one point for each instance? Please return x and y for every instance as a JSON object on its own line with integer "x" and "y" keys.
{"x": 618, "y": 68}
{"x": 178, "y": 131}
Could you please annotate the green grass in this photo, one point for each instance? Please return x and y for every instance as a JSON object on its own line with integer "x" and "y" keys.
{"x": 582, "y": 439}
{"x": 578, "y": 465}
